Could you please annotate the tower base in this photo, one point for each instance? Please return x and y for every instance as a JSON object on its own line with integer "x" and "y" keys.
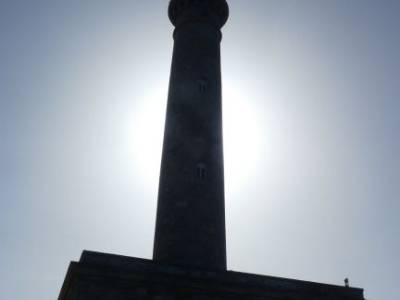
{"x": 99, "y": 276}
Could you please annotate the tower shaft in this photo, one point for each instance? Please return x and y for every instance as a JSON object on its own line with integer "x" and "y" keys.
{"x": 190, "y": 225}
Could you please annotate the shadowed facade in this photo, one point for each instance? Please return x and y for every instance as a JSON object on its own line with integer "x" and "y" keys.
{"x": 189, "y": 259}
{"x": 190, "y": 226}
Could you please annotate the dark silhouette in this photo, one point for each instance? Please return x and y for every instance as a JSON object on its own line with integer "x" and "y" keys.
{"x": 190, "y": 226}
{"x": 189, "y": 260}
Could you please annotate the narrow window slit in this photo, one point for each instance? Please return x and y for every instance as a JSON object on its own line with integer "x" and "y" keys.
{"x": 201, "y": 172}
{"x": 202, "y": 83}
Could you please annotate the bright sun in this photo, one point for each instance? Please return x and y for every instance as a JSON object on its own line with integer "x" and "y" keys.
{"x": 241, "y": 131}
{"x": 242, "y": 136}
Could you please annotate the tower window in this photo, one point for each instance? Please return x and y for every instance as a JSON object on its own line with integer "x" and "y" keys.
{"x": 201, "y": 171}
{"x": 202, "y": 83}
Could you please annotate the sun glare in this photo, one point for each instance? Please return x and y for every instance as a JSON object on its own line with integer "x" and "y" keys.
{"x": 241, "y": 138}
{"x": 148, "y": 131}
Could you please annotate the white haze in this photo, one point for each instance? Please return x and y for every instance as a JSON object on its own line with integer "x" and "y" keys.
{"x": 311, "y": 111}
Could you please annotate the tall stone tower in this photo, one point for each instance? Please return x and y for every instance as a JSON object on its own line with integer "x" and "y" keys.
{"x": 190, "y": 226}
{"x": 189, "y": 259}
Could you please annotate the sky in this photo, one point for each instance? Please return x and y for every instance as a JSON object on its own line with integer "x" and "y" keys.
{"x": 311, "y": 99}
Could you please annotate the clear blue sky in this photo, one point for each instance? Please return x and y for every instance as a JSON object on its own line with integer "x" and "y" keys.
{"x": 313, "y": 194}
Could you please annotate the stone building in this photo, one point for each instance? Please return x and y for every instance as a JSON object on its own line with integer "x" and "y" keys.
{"x": 189, "y": 259}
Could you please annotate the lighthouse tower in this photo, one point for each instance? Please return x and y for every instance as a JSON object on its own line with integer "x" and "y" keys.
{"x": 190, "y": 224}
{"x": 189, "y": 257}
